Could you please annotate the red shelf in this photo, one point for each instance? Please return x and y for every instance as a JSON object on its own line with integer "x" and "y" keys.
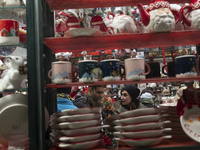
{"x": 178, "y": 38}
{"x": 75, "y": 4}
{"x": 153, "y": 80}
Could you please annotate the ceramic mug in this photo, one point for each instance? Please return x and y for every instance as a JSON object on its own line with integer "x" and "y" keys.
{"x": 12, "y": 3}
{"x": 155, "y": 70}
{"x": 9, "y": 32}
{"x": 89, "y": 71}
{"x": 111, "y": 69}
{"x": 171, "y": 72}
{"x": 135, "y": 68}
{"x": 185, "y": 65}
{"x": 61, "y": 72}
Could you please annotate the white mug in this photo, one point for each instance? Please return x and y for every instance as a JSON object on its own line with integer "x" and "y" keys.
{"x": 135, "y": 68}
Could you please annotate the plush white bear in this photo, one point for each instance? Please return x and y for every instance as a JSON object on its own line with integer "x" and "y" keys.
{"x": 12, "y": 79}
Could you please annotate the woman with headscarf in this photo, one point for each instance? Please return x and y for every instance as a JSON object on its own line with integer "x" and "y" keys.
{"x": 129, "y": 98}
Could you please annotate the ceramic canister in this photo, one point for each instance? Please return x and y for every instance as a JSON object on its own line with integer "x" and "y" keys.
{"x": 89, "y": 70}
{"x": 9, "y": 31}
{"x": 61, "y": 72}
{"x": 135, "y": 68}
{"x": 111, "y": 69}
{"x": 185, "y": 65}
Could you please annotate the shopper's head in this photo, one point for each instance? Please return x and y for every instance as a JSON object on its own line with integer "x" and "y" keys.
{"x": 96, "y": 92}
{"x": 129, "y": 95}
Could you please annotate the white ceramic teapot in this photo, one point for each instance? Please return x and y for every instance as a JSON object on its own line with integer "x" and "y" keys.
{"x": 158, "y": 17}
{"x": 191, "y": 15}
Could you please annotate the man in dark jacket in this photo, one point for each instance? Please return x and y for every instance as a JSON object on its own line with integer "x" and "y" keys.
{"x": 92, "y": 99}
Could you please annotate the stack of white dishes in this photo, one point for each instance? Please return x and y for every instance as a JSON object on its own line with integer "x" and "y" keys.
{"x": 142, "y": 127}
{"x": 76, "y": 128}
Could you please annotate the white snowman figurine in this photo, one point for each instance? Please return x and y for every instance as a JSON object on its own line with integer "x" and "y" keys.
{"x": 158, "y": 16}
{"x": 191, "y": 15}
{"x": 12, "y": 79}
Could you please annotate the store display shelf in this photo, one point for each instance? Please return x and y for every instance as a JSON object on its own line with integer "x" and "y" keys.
{"x": 75, "y": 4}
{"x": 143, "y": 40}
{"x": 14, "y": 90}
{"x": 152, "y": 80}
{"x": 13, "y": 7}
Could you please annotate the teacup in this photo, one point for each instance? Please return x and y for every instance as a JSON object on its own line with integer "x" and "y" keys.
{"x": 111, "y": 69}
{"x": 61, "y": 72}
{"x": 185, "y": 65}
{"x": 89, "y": 71}
{"x": 135, "y": 68}
{"x": 9, "y": 30}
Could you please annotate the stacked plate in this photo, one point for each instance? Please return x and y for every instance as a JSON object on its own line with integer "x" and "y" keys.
{"x": 141, "y": 127}
{"x": 76, "y": 128}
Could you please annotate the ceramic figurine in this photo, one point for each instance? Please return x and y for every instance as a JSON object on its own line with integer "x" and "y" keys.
{"x": 191, "y": 15}
{"x": 158, "y": 17}
{"x": 13, "y": 79}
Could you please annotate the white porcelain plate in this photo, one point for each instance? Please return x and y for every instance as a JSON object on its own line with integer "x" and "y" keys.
{"x": 190, "y": 122}
{"x": 143, "y": 142}
{"x": 82, "y": 145}
{"x": 81, "y": 117}
{"x": 83, "y": 32}
{"x": 142, "y": 134}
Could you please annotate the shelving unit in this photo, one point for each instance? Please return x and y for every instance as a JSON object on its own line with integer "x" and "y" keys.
{"x": 40, "y": 31}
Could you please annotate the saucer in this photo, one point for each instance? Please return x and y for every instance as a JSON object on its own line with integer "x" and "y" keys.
{"x": 142, "y": 134}
{"x": 140, "y": 112}
{"x": 82, "y": 145}
{"x": 82, "y": 32}
{"x": 142, "y": 126}
{"x": 190, "y": 122}
{"x": 140, "y": 119}
{"x": 81, "y": 117}
{"x": 144, "y": 142}
{"x": 76, "y": 125}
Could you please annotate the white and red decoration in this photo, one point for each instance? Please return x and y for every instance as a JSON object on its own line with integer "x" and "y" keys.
{"x": 158, "y": 17}
{"x": 9, "y": 32}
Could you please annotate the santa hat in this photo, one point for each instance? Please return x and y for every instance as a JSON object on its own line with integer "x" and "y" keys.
{"x": 63, "y": 13}
{"x": 73, "y": 22}
{"x": 195, "y": 4}
{"x": 98, "y": 23}
{"x": 155, "y": 4}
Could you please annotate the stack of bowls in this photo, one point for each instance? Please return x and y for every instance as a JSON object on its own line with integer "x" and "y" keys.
{"x": 141, "y": 127}
{"x": 76, "y": 128}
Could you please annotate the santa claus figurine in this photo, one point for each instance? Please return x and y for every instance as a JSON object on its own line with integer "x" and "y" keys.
{"x": 158, "y": 17}
{"x": 191, "y": 15}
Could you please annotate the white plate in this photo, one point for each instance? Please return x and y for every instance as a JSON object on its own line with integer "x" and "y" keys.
{"x": 14, "y": 116}
{"x": 78, "y": 132}
{"x": 141, "y": 127}
{"x": 96, "y": 110}
{"x": 140, "y": 119}
{"x": 83, "y": 145}
{"x": 140, "y": 112}
{"x": 76, "y": 139}
{"x": 190, "y": 122}
{"x": 69, "y": 118}
{"x": 143, "y": 142}
{"x": 82, "y": 32}
{"x": 76, "y": 125}
{"x": 141, "y": 134}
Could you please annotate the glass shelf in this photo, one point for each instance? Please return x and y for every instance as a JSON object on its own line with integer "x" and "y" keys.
{"x": 122, "y": 41}
{"x": 75, "y": 4}
{"x": 14, "y": 7}
{"x": 15, "y": 90}
{"x": 152, "y": 80}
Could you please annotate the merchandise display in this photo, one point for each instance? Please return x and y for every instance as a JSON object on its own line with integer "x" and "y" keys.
{"x": 136, "y": 62}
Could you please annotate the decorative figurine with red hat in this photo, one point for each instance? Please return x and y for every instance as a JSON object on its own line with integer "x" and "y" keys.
{"x": 158, "y": 17}
{"x": 98, "y": 23}
{"x": 191, "y": 15}
{"x": 73, "y": 23}
{"x": 61, "y": 24}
